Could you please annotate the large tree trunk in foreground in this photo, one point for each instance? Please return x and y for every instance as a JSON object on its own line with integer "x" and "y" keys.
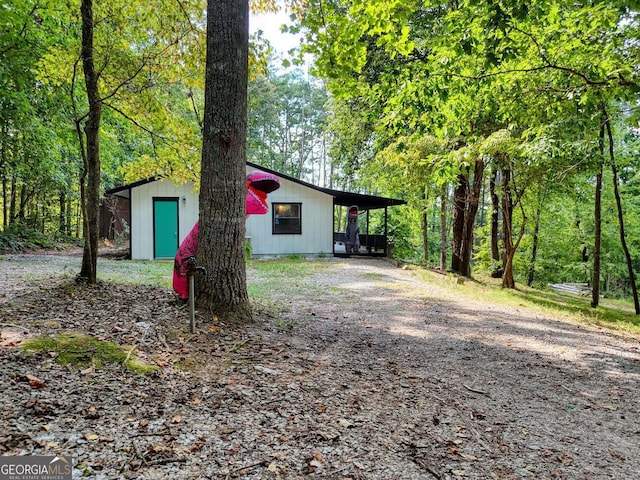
{"x": 223, "y": 289}
{"x": 91, "y": 187}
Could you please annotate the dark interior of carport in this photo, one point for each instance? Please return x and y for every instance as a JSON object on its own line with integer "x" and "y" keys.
{"x": 370, "y": 244}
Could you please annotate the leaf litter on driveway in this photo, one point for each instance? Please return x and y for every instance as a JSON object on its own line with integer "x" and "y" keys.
{"x": 368, "y": 373}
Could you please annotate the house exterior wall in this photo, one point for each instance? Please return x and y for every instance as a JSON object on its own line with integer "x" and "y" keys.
{"x": 316, "y": 215}
{"x": 142, "y": 213}
{"x": 317, "y": 223}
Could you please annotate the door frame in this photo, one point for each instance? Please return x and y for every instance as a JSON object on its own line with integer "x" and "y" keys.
{"x": 175, "y": 200}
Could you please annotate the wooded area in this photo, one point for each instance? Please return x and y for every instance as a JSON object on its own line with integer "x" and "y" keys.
{"x": 510, "y": 127}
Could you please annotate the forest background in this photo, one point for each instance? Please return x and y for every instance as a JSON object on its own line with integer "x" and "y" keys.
{"x": 511, "y": 128}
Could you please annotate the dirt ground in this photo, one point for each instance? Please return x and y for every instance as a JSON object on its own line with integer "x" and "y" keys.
{"x": 363, "y": 371}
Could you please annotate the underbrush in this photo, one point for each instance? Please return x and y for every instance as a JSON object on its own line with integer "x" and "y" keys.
{"x": 22, "y": 239}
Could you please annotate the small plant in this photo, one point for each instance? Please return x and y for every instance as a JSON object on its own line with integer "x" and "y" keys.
{"x": 248, "y": 251}
{"x": 84, "y": 351}
{"x": 266, "y": 307}
{"x": 286, "y": 324}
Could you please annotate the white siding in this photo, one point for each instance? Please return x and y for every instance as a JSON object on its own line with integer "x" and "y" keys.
{"x": 317, "y": 223}
{"x": 317, "y": 219}
{"x": 142, "y": 214}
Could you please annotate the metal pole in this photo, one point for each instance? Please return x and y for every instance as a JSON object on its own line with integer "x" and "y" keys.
{"x": 192, "y": 303}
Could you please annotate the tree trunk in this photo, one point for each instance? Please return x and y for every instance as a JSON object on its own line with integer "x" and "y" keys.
{"x": 465, "y": 209}
{"x": 459, "y": 203}
{"x": 62, "y": 197}
{"x": 12, "y": 200}
{"x": 534, "y": 248}
{"x": 443, "y": 228}
{"x": 223, "y": 291}
{"x": 425, "y": 229}
{"x": 597, "y": 218}
{"x": 507, "y": 223}
{"x": 623, "y": 238}
{"x": 496, "y": 262}
{"x": 3, "y": 168}
{"x": 472, "y": 201}
{"x": 22, "y": 207}
{"x": 68, "y": 216}
{"x": 91, "y": 188}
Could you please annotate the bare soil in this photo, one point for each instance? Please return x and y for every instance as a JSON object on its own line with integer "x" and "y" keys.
{"x": 361, "y": 371}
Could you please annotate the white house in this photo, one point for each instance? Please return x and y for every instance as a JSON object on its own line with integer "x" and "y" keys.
{"x": 300, "y": 218}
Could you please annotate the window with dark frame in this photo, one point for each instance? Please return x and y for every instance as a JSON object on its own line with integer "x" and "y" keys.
{"x": 287, "y": 218}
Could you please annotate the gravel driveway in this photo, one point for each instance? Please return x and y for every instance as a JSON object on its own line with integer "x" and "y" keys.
{"x": 361, "y": 371}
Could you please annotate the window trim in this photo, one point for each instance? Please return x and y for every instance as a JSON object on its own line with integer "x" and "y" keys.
{"x": 273, "y": 218}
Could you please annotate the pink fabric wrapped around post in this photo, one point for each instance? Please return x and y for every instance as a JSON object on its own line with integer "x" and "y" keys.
{"x": 259, "y": 185}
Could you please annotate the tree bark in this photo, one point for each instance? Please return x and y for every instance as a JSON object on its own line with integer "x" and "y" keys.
{"x": 623, "y": 238}
{"x": 534, "y": 247}
{"x": 91, "y": 188}
{"x": 459, "y": 203}
{"x": 425, "y": 229}
{"x": 3, "y": 169}
{"x": 507, "y": 223}
{"x": 472, "y": 202}
{"x": 223, "y": 291}
{"x": 497, "y": 268}
{"x": 597, "y": 218}
{"x": 466, "y": 204}
{"x": 62, "y": 198}
{"x": 443, "y": 228}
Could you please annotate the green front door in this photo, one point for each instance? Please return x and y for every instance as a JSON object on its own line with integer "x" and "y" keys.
{"x": 165, "y": 227}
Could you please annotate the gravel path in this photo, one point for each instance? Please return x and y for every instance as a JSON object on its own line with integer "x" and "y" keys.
{"x": 363, "y": 371}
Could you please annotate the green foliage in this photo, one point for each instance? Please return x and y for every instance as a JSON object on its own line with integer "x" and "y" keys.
{"x": 19, "y": 238}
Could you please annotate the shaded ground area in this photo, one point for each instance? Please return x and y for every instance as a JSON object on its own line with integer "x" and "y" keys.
{"x": 360, "y": 371}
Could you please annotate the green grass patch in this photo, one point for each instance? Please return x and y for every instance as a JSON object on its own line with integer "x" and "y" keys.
{"x": 84, "y": 351}
{"x": 614, "y": 314}
{"x": 283, "y": 275}
{"x": 148, "y": 272}
{"x": 374, "y": 276}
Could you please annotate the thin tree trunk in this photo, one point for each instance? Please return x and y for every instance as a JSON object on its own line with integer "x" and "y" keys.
{"x": 472, "y": 201}
{"x": 62, "y": 197}
{"x": 425, "y": 229}
{"x": 68, "y": 216}
{"x": 534, "y": 248}
{"x": 3, "y": 168}
{"x": 507, "y": 224}
{"x": 221, "y": 248}
{"x": 12, "y": 201}
{"x": 443, "y": 228}
{"x": 623, "y": 239}
{"x": 458, "y": 222}
{"x": 22, "y": 207}
{"x": 597, "y": 218}
{"x": 497, "y": 268}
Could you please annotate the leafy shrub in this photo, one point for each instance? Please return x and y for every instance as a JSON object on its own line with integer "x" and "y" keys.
{"x": 20, "y": 238}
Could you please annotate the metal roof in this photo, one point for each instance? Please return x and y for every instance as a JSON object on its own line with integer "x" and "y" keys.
{"x": 363, "y": 201}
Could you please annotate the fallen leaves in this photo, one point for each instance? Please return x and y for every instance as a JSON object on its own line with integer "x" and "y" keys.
{"x": 314, "y": 461}
{"x": 35, "y": 382}
{"x": 263, "y": 402}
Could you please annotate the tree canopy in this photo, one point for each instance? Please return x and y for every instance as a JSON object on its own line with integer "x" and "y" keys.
{"x": 490, "y": 118}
